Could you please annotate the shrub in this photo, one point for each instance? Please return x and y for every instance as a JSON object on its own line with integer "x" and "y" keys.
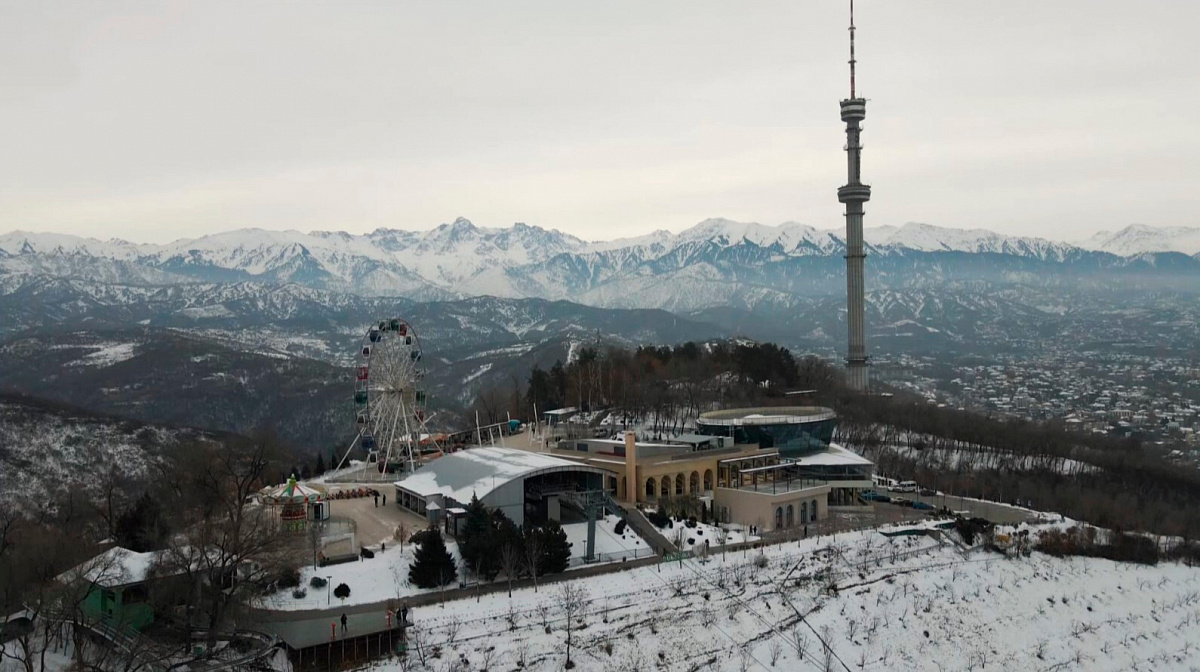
{"x": 658, "y": 519}
{"x": 288, "y": 578}
{"x": 317, "y": 582}
{"x": 342, "y": 591}
{"x": 300, "y": 593}
{"x": 1122, "y": 547}
{"x": 968, "y": 529}
{"x": 620, "y": 528}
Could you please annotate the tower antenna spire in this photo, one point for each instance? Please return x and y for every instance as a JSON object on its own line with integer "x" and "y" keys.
{"x": 852, "y": 61}
{"x": 855, "y": 194}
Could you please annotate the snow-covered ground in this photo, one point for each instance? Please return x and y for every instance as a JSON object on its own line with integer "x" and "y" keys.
{"x": 878, "y": 603}
{"x": 380, "y": 578}
{"x": 386, "y": 575}
{"x": 610, "y": 546}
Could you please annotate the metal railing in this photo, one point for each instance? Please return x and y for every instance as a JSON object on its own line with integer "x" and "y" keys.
{"x": 781, "y": 487}
{"x": 614, "y": 556}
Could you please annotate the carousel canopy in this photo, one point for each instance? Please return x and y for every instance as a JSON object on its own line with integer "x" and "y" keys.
{"x": 293, "y": 492}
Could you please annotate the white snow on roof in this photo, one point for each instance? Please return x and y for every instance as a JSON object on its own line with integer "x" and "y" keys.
{"x": 836, "y": 455}
{"x": 478, "y": 471}
{"x": 115, "y": 567}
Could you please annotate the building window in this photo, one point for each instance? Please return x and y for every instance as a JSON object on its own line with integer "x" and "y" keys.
{"x": 791, "y": 516}
{"x": 814, "y": 510}
{"x": 778, "y": 517}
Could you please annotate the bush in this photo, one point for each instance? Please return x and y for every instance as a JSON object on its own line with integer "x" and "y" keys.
{"x": 1083, "y": 541}
{"x": 300, "y": 593}
{"x": 620, "y": 528}
{"x": 659, "y": 519}
{"x": 288, "y": 578}
{"x": 317, "y": 582}
{"x": 342, "y": 591}
{"x": 691, "y": 522}
{"x": 968, "y": 529}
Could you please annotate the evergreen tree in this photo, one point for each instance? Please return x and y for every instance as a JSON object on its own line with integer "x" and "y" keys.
{"x": 556, "y": 550}
{"x": 477, "y": 542}
{"x": 320, "y": 464}
{"x": 142, "y": 527}
{"x": 432, "y": 565}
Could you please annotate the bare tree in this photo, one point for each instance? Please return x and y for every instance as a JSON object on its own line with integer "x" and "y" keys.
{"x": 800, "y": 642}
{"x": 233, "y": 546}
{"x": 313, "y": 535}
{"x": 510, "y": 563}
{"x": 572, "y": 601}
{"x": 533, "y": 553}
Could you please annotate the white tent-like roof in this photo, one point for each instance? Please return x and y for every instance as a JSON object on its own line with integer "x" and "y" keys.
{"x": 478, "y": 471}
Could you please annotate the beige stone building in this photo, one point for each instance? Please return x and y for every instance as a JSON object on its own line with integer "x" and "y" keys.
{"x": 743, "y": 482}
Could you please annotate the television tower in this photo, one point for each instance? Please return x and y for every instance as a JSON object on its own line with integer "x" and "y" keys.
{"x": 854, "y": 194}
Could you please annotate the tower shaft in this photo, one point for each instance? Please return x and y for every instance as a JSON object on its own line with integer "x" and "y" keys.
{"x": 854, "y": 194}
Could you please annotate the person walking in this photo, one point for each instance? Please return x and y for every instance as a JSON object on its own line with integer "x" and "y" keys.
{"x": 385, "y": 499}
{"x": 377, "y": 500}
{"x": 343, "y": 624}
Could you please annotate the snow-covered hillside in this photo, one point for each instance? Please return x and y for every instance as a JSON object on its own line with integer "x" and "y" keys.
{"x": 48, "y": 451}
{"x": 1139, "y": 238}
{"x": 854, "y": 601}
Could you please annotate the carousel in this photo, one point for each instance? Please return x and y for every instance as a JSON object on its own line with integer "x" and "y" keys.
{"x": 297, "y": 504}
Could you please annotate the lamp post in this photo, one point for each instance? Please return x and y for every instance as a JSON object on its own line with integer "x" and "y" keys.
{"x": 328, "y": 583}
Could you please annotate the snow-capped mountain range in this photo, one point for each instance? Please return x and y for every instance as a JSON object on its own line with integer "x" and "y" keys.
{"x": 716, "y": 262}
{"x": 1139, "y": 238}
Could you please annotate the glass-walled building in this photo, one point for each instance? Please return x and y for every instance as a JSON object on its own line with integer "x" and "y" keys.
{"x": 791, "y": 430}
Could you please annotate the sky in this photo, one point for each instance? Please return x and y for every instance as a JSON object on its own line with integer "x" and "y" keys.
{"x": 157, "y": 120}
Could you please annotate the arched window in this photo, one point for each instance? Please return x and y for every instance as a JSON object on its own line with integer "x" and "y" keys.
{"x": 791, "y": 516}
{"x": 814, "y": 510}
{"x": 778, "y": 517}
{"x": 649, "y": 487}
{"x": 804, "y": 511}
{"x": 708, "y": 479}
{"x": 665, "y": 491}
{"x": 694, "y": 483}
{"x": 679, "y": 484}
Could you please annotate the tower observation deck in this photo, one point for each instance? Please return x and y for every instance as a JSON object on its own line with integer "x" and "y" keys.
{"x": 854, "y": 194}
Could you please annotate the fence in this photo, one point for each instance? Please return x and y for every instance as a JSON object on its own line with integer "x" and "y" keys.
{"x": 614, "y": 556}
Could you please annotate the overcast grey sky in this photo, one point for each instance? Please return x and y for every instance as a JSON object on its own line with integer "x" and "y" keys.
{"x": 157, "y": 120}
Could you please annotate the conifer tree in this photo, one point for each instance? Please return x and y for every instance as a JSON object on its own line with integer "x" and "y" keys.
{"x": 556, "y": 550}
{"x": 433, "y": 565}
{"x": 477, "y": 541}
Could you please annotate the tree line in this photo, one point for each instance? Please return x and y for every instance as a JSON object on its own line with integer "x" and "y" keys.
{"x": 664, "y": 385}
{"x": 491, "y": 543}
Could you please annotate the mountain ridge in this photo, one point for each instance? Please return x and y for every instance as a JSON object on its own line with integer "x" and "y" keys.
{"x": 716, "y": 262}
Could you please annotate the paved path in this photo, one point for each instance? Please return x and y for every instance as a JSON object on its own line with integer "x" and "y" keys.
{"x": 997, "y": 513}
{"x": 377, "y": 523}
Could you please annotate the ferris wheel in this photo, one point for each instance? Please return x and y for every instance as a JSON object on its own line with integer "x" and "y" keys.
{"x": 389, "y": 397}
